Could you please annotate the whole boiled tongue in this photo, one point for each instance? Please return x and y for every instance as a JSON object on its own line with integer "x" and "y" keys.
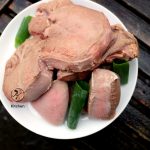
{"x": 73, "y": 38}
{"x": 104, "y": 94}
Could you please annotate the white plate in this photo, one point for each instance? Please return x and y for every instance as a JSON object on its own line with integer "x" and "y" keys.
{"x": 26, "y": 116}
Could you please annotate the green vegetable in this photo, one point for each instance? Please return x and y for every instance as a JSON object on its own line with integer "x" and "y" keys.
{"x": 84, "y": 85}
{"x": 78, "y": 100}
{"x": 121, "y": 67}
{"x": 23, "y": 32}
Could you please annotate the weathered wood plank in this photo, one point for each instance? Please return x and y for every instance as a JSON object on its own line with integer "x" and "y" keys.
{"x": 33, "y": 1}
{"x": 4, "y": 20}
{"x": 14, "y": 136}
{"x": 139, "y": 105}
{"x": 119, "y": 136}
{"x": 143, "y": 7}
{"x": 137, "y": 122}
{"x": 19, "y": 5}
{"x": 144, "y": 59}
{"x": 134, "y": 23}
{"x": 142, "y": 92}
{"x": 3, "y": 4}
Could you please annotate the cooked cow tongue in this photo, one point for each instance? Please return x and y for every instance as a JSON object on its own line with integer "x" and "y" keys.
{"x": 53, "y": 105}
{"x": 123, "y": 46}
{"x": 26, "y": 75}
{"x": 76, "y": 37}
{"x": 67, "y": 37}
{"x": 104, "y": 94}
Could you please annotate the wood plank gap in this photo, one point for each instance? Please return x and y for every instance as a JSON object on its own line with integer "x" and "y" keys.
{"x": 143, "y": 76}
{"x": 134, "y": 23}
{"x": 10, "y": 13}
{"x": 139, "y": 105}
{"x": 134, "y": 10}
{"x": 4, "y": 5}
{"x": 136, "y": 121}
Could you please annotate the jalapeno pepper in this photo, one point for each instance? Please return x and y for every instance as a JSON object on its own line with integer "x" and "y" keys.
{"x": 78, "y": 101}
{"x": 121, "y": 67}
{"x": 23, "y": 32}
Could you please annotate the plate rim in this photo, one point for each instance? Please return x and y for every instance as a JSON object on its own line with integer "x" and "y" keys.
{"x": 79, "y": 136}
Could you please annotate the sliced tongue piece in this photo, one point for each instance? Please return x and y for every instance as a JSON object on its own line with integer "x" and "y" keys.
{"x": 52, "y": 106}
{"x": 104, "y": 94}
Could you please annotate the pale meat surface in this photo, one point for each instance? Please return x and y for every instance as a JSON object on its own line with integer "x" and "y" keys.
{"x": 104, "y": 94}
{"x": 123, "y": 45}
{"x": 67, "y": 37}
{"x": 25, "y": 71}
{"x": 76, "y": 37}
{"x": 52, "y": 106}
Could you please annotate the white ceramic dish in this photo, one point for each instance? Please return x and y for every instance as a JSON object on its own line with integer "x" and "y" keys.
{"x": 26, "y": 116}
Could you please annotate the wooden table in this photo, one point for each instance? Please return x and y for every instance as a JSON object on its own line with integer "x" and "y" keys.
{"x": 132, "y": 129}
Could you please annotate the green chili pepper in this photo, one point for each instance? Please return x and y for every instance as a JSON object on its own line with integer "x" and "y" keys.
{"x": 121, "y": 67}
{"x": 78, "y": 100}
{"x": 23, "y": 32}
{"x": 84, "y": 85}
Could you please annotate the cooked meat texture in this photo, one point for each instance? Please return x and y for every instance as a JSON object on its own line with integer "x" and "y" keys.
{"x": 26, "y": 71}
{"x": 76, "y": 37}
{"x": 71, "y": 76}
{"x": 66, "y": 37}
{"x": 123, "y": 46}
{"x": 43, "y": 21}
{"x": 53, "y": 105}
{"x": 104, "y": 94}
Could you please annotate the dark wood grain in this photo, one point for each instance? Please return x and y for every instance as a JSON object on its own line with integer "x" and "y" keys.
{"x": 141, "y": 6}
{"x": 33, "y": 1}
{"x": 18, "y": 5}
{"x": 119, "y": 135}
{"x": 144, "y": 59}
{"x": 140, "y": 106}
{"x": 136, "y": 25}
{"x": 142, "y": 93}
{"x": 140, "y": 124}
{"x": 4, "y": 20}
{"x": 3, "y": 4}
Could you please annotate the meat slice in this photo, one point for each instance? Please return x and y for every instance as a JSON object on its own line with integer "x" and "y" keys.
{"x": 26, "y": 75}
{"x": 53, "y": 105}
{"x": 123, "y": 46}
{"x": 67, "y": 37}
{"x": 76, "y": 37}
{"x": 104, "y": 94}
{"x": 42, "y": 21}
{"x": 71, "y": 76}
